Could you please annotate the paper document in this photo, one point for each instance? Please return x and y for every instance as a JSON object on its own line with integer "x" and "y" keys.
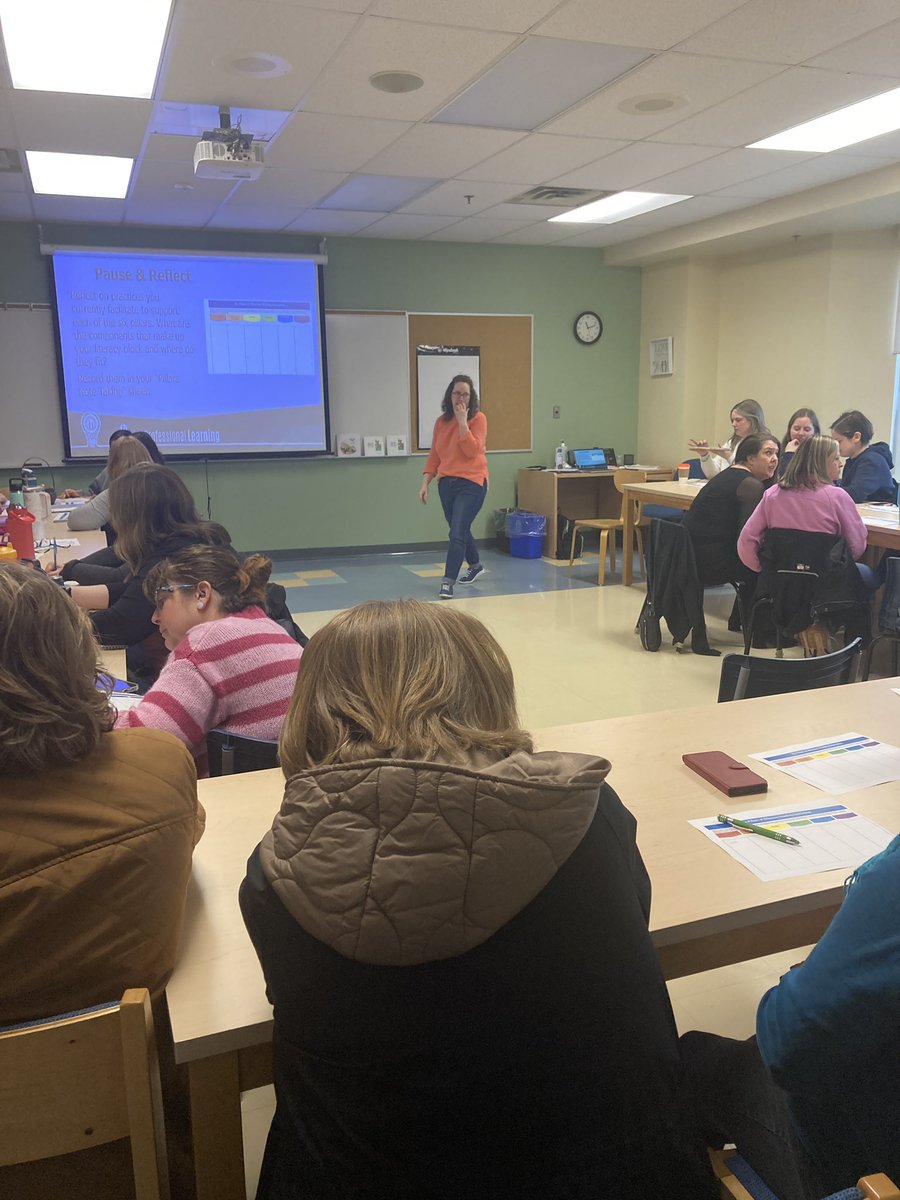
{"x": 122, "y": 701}
{"x": 831, "y": 836}
{"x": 66, "y": 505}
{"x": 843, "y": 763}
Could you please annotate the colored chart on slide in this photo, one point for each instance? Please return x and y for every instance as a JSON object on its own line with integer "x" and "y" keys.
{"x": 270, "y": 337}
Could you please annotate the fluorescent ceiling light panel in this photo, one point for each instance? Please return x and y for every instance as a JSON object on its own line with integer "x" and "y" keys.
{"x": 93, "y": 47}
{"x": 855, "y": 123}
{"x": 538, "y": 80}
{"x": 619, "y": 207}
{"x": 78, "y": 174}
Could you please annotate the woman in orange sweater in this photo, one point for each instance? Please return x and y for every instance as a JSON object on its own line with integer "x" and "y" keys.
{"x": 458, "y": 462}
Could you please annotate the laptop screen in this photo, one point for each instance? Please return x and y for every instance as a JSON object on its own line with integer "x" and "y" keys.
{"x": 587, "y": 459}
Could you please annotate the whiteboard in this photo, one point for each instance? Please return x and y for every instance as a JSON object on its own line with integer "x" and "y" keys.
{"x": 30, "y": 421}
{"x": 368, "y": 373}
{"x": 368, "y": 379}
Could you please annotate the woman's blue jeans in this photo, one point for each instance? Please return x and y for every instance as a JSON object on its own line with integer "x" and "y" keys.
{"x": 461, "y": 500}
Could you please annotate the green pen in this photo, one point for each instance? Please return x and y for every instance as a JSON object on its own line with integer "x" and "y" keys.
{"x": 760, "y": 829}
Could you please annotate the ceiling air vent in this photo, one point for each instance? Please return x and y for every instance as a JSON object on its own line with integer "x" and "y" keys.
{"x": 556, "y": 197}
{"x": 10, "y": 163}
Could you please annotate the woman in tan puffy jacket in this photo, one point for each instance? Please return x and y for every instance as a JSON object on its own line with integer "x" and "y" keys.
{"x": 453, "y": 931}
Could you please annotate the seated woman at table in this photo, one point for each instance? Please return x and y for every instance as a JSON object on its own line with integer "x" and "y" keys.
{"x": 806, "y": 499}
{"x": 722, "y": 507}
{"x": 802, "y": 425}
{"x": 812, "y": 1101}
{"x": 867, "y": 468}
{"x": 154, "y": 516}
{"x": 101, "y": 482}
{"x": 746, "y": 417}
{"x": 231, "y": 666}
{"x": 97, "y": 825}
{"x": 124, "y": 453}
{"x": 453, "y": 931}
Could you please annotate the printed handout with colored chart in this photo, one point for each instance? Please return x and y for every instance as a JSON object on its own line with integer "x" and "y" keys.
{"x": 831, "y": 837}
{"x": 843, "y": 763}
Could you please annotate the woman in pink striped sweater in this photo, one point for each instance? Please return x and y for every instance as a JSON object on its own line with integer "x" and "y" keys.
{"x": 230, "y": 666}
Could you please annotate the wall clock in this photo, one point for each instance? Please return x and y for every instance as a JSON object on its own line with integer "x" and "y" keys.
{"x": 588, "y": 328}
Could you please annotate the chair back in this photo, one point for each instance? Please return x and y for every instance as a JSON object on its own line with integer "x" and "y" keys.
{"x": 743, "y": 676}
{"x": 623, "y": 476}
{"x": 232, "y": 753}
{"x": 82, "y": 1080}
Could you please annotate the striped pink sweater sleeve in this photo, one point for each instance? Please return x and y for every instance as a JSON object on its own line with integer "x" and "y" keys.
{"x": 236, "y": 673}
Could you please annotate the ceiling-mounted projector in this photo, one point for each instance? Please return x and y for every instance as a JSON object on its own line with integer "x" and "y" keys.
{"x": 226, "y": 153}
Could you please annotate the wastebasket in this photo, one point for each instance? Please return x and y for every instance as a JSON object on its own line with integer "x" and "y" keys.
{"x": 526, "y": 533}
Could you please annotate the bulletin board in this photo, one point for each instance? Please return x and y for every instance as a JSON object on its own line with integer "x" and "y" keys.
{"x": 505, "y": 349}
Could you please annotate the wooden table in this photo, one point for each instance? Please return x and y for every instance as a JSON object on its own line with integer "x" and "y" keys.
{"x": 881, "y": 520}
{"x": 707, "y": 910}
{"x": 573, "y": 494}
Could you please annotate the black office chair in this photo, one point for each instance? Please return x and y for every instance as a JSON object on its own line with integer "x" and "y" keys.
{"x": 743, "y": 677}
{"x": 808, "y": 579}
{"x": 232, "y": 754}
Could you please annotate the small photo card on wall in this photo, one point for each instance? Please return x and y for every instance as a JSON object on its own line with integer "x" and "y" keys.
{"x": 374, "y": 446}
{"x": 661, "y": 356}
{"x": 397, "y": 444}
{"x": 348, "y": 445}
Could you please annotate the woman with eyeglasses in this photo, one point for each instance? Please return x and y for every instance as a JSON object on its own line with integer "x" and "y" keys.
{"x": 154, "y": 515}
{"x": 231, "y": 667}
{"x": 457, "y": 460}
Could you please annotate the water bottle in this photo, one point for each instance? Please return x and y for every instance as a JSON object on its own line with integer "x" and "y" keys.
{"x": 19, "y": 521}
{"x": 561, "y": 453}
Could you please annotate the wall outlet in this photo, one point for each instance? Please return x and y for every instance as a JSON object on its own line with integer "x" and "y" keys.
{"x": 555, "y": 412}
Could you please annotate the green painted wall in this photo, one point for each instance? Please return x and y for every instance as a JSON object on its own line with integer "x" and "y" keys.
{"x": 302, "y": 503}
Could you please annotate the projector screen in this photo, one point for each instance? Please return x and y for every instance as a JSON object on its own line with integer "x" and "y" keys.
{"x": 212, "y": 355}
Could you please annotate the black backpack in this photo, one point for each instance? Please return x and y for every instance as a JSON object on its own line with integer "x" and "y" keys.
{"x": 564, "y": 527}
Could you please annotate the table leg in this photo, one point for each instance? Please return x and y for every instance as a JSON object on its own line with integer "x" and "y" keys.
{"x": 216, "y": 1120}
{"x": 628, "y": 540}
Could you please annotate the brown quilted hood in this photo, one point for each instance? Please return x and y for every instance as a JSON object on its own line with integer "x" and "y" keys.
{"x": 398, "y": 863}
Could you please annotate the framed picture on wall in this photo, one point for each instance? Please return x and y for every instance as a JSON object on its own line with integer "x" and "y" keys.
{"x": 661, "y": 356}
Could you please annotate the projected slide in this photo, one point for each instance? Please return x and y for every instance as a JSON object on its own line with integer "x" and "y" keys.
{"x": 209, "y": 354}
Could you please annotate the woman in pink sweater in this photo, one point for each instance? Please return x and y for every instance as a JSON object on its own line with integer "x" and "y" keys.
{"x": 458, "y": 461}
{"x": 807, "y": 499}
{"x": 231, "y": 667}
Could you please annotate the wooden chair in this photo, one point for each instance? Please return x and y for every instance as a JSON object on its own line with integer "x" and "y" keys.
{"x": 82, "y": 1080}
{"x": 870, "y": 1187}
{"x": 611, "y": 525}
{"x": 745, "y": 676}
{"x": 232, "y": 753}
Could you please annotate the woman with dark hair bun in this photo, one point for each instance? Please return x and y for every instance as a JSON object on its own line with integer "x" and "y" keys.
{"x": 231, "y": 667}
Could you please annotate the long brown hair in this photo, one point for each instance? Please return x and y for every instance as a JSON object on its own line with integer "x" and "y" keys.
{"x": 401, "y": 679}
{"x": 148, "y": 506}
{"x": 124, "y": 453}
{"x": 447, "y": 402}
{"x": 237, "y": 584}
{"x": 51, "y": 711}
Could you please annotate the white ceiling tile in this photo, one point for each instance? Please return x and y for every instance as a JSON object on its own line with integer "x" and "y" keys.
{"x": 350, "y": 6}
{"x": 14, "y": 181}
{"x": 512, "y": 16}
{"x": 80, "y": 124}
{"x": 477, "y": 229}
{"x": 206, "y": 37}
{"x": 328, "y": 143}
{"x": 795, "y": 95}
{"x": 693, "y": 83}
{"x": 540, "y": 234}
{"x": 875, "y": 53}
{"x": 637, "y": 23}
{"x": 404, "y": 225}
{"x": 15, "y": 207}
{"x": 193, "y": 120}
{"x": 603, "y": 235}
{"x": 264, "y": 217}
{"x": 376, "y": 192}
{"x": 777, "y": 31}
{"x": 698, "y": 208}
{"x": 446, "y": 59}
{"x": 824, "y": 168}
{"x": 539, "y": 157}
{"x": 526, "y": 212}
{"x": 324, "y": 221}
{"x": 724, "y": 170}
{"x": 633, "y": 166}
{"x": 886, "y": 147}
{"x": 536, "y": 81}
{"x": 79, "y": 208}
{"x": 278, "y": 186}
{"x": 439, "y": 150}
{"x": 450, "y": 199}
{"x": 7, "y": 133}
{"x": 166, "y": 147}
{"x": 155, "y": 199}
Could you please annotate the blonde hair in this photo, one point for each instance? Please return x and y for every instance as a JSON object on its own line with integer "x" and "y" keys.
{"x": 754, "y": 413}
{"x": 238, "y": 585}
{"x": 809, "y": 466}
{"x": 125, "y": 452}
{"x": 401, "y": 679}
{"x": 51, "y": 711}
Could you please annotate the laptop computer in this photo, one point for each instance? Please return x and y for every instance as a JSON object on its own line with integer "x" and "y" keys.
{"x": 590, "y": 460}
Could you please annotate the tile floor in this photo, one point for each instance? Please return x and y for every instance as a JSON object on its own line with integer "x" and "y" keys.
{"x": 576, "y": 657}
